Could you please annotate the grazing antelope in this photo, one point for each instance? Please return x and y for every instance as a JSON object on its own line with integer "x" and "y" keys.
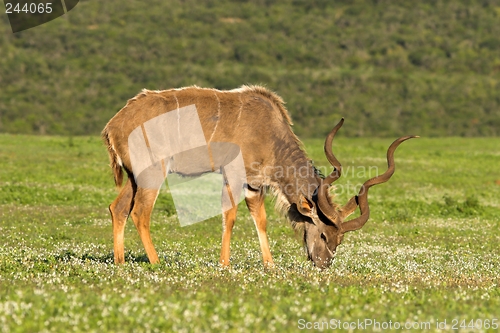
{"x": 256, "y": 120}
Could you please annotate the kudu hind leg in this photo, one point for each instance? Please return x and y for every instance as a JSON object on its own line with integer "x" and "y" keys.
{"x": 228, "y": 218}
{"x": 144, "y": 201}
{"x": 255, "y": 204}
{"x": 120, "y": 210}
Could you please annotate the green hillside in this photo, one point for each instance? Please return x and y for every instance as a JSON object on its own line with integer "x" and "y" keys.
{"x": 416, "y": 67}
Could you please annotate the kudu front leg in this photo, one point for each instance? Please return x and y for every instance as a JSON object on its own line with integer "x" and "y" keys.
{"x": 120, "y": 210}
{"x": 144, "y": 201}
{"x": 255, "y": 204}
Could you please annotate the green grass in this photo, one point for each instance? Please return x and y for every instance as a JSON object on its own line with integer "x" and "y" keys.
{"x": 428, "y": 253}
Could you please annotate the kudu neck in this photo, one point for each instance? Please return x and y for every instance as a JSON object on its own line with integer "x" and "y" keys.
{"x": 295, "y": 174}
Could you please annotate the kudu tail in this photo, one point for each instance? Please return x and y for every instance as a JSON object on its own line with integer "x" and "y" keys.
{"x": 113, "y": 158}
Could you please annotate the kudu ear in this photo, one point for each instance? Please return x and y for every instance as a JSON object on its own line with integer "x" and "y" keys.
{"x": 305, "y": 206}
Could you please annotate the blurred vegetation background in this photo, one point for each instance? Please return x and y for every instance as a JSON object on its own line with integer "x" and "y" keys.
{"x": 391, "y": 68}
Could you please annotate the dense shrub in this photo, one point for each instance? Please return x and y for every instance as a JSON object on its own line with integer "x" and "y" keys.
{"x": 427, "y": 67}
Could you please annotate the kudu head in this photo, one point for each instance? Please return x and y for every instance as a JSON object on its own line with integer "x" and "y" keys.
{"x": 327, "y": 225}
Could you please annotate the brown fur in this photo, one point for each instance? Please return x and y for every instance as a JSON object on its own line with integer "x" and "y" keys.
{"x": 115, "y": 166}
{"x": 251, "y": 117}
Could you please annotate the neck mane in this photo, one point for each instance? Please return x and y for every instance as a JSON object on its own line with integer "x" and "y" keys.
{"x": 293, "y": 176}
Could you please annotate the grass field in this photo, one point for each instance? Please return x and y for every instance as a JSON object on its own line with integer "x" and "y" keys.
{"x": 428, "y": 254}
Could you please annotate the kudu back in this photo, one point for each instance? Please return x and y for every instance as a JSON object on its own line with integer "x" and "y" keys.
{"x": 255, "y": 120}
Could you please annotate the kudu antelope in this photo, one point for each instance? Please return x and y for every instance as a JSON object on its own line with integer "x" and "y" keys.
{"x": 256, "y": 120}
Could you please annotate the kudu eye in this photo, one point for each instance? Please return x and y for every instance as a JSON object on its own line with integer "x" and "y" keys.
{"x": 323, "y": 236}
